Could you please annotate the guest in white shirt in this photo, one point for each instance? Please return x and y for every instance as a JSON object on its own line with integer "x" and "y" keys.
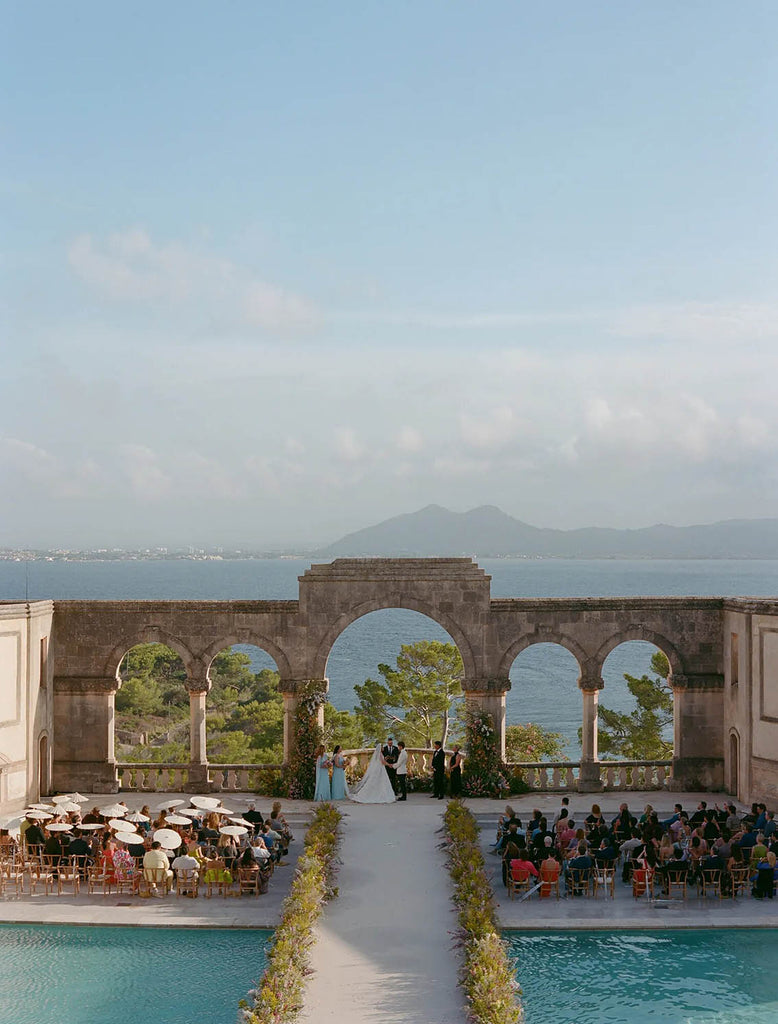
{"x": 401, "y": 772}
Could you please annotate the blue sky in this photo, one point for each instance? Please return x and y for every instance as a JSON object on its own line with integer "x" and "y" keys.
{"x": 269, "y": 275}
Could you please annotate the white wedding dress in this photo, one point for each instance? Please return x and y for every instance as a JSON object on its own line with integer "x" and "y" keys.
{"x": 375, "y": 787}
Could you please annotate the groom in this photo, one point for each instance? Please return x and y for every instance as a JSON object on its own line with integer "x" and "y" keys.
{"x": 391, "y": 754}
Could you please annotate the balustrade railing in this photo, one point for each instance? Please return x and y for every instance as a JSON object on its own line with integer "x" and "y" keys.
{"x": 539, "y": 776}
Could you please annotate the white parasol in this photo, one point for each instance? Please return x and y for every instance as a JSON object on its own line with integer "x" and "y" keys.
{"x": 210, "y": 803}
{"x": 193, "y": 812}
{"x": 177, "y": 819}
{"x": 241, "y": 821}
{"x": 135, "y": 816}
{"x": 90, "y": 826}
{"x": 39, "y": 815}
{"x": 68, "y": 807}
{"x": 131, "y": 838}
{"x": 233, "y": 830}
{"x": 59, "y": 826}
{"x": 167, "y": 838}
{"x": 169, "y": 803}
{"x": 114, "y": 811}
{"x": 43, "y": 807}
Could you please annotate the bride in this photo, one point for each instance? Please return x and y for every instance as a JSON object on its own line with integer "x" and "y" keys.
{"x": 375, "y": 787}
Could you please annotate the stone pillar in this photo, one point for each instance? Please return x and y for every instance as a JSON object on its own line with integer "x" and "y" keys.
{"x": 291, "y": 691}
{"x": 489, "y": 696}
{"x": 589, "y": 772}
{"x": 198, "y": 781}
{"x": 698, "y": 732}
{"x": 83, "y": 746}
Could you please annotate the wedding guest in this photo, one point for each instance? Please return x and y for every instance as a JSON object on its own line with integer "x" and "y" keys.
{"x": 339, "y": 788}
{"x": 439, "y": 771}
{"x": 455, "y": 772}
{"x": 323, "y": 791}
{"x": 401, "y": 772}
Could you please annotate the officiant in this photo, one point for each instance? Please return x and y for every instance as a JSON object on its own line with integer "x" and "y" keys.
{"x": 391, "y": 754}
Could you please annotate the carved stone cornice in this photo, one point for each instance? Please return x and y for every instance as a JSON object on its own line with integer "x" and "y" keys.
{"x": 697, "y": 681}
{"x": 85, "y": 684}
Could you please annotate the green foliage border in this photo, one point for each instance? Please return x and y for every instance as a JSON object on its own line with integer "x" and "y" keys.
{"x": 487, "y": 977}
{"x": 308, "y": 734}
{"x": 483, "y": 773}
{"x": 279, "y": 996}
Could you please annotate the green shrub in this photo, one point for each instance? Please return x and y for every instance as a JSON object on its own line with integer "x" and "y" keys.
{"x": 487, "y": 977}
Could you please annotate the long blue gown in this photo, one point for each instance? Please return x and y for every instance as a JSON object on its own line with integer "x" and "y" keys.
{"x": 322, "y": 779}
{"x": 339, "y": 789}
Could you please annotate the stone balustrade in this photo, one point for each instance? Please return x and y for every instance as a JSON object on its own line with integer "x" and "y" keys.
{"x": 539, "y": 776}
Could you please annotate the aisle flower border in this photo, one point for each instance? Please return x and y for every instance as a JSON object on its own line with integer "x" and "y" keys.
{"x": 487, "y": 977}
{"x": 279, "y": 996}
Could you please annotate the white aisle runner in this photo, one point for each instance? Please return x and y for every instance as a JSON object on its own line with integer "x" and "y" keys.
{"x": 385, "y": 947}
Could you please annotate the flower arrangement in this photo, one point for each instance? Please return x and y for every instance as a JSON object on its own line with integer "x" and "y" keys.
{"x": 301, "y": 770}
{"x": 279, "y": 996}
{"x": 482, "y": 774}
{"x": 487, "y": 976}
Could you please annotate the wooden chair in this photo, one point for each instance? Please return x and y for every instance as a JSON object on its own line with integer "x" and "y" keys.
{"x": 99, "y": 878}
{"x": 579, "y": 881}
{"x": 188, "y": 883}
{"x": 229, "y": 882}
{"x": 68, "y": 875}
{"x": 709, "y": 881}
{"x": 519, "y": 882}
{"x": 127, "y": 881}
{"x": 248, "y": 881}
{"x": 212, "y": 870}
{"x": 549, "y": 878}
{"x": 154, "y": 880}
{"x": 604, "y": 879}
{"x": 741, "y": 881}
{"x": 675, "y": 880}
{"x": 642, "y": 882}
{"x": 42, "y": 872}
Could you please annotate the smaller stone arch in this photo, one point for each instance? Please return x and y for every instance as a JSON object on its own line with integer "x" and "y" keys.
{"x": 639, "y": 632}
{"x": 253, "y": 639}
{"x": 543, "y": 637}
{"x": 410, "y": 604}
{"x": 149, "y": 635}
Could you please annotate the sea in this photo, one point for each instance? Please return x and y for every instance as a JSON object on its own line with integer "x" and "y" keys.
{"x": 543, "y": 678}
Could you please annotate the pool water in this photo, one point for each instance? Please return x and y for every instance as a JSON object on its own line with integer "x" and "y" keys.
{"x": 96, "y": 975}
{"x": 727, "y": 976}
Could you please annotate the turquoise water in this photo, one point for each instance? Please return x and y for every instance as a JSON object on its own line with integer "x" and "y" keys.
{"x": 651, "y": 977}
{"x": 118, "y": 975}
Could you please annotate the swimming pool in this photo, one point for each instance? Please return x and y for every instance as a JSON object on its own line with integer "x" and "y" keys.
{"x": 91, "y": 975}
{"x": 727, "y": 976}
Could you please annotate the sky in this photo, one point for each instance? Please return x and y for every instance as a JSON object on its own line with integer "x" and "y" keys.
{"x": 270, "y": 273}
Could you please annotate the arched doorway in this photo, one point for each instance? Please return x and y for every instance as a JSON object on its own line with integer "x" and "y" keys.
{"x": 151, "y": 706}
{"x": 381, "y": 656}
{"x": 245, "y": 709}
{"x": 544, "y": 693}
{"x": 44, "y": 767}
{"x": 733, "y": 783}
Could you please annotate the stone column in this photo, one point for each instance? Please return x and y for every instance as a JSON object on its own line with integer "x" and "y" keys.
{"x": 291, "y": 690}
{"x": 489, "y": 695}
{"x": 198, "y": 781}
{"x": 589, "y": 772}
{"x": 698, "y": 732}
{"x": 83, "y": 746}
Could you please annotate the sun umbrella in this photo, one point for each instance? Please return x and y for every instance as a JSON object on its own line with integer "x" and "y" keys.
{"x": 193, "y": 812}
{"x": 39, "y": 815}
{"x": 241, "y": 821}
{"x": 167, "y": 838}
{"x": 63, "y": 798}
{"x": 135, "y": 816}
{"x": 169, "y": 803}
{"x": 132, "y": 838}
{"x": 210, "y": 803}
{"x": 59, "y": 826}
{"x": 177, "y": 819}
{"x": 89, "y": 826}
{"x": 77, "y": 798}
{"x": 114, "y": 811}
{"x": 43, "y": 807}
{"x": 233, "y": 830}
{"x": 120, "y": 825}
{"x": 68, "y": 806}
{"x": 12, "y": 822}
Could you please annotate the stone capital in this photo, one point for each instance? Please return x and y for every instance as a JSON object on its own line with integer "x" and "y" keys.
{"x": 299, "y": 686}
{"x": 86, "y": 684}
{"x": 476, "y": 686}
{"x": 201, "y": 684}
{"x": 590, "y": 682}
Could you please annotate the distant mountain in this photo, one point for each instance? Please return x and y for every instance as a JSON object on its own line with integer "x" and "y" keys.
{"x": 489, "y": 532}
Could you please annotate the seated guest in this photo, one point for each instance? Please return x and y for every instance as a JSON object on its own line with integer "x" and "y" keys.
{"x": 518, "y": 865}
{"x": 79, "y": 847}
{"x": 511, "y": 853}
{"x": 279, "y": 823}
{"x": 623, "y": 823}
{"x": 758, "y": 851}
{"x": 595, "y": 818}
{"x": 53, "y": 848}
{"x": 582, "y": 864}
{"x": 185, "y": 862}
{"x": 733, "y": 821}
{"x": 154, "y": 861}
{"x": 259, "y": 850}
{"x": 769, "y": 829}
{"x": 629, "y": 849}
{"x": 606, "y": 855}
{"x": 676, "y": 867}
{"x": 273, "y": 842}
{"x": 254, "y": 816}
{"x": 699, "y": 815}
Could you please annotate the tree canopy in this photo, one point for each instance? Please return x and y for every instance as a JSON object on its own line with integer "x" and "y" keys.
{"x": 417, "y": 698}
{"x": 640, "y": 735}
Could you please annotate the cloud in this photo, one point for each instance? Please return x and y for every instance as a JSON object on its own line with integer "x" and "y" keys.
{"x": 129, "y": 267}
{"x": 409, "y": 440}
{"x": 148, "y": 480}
{"x": 490, "y": 431}
{"x": 348, "y": 448}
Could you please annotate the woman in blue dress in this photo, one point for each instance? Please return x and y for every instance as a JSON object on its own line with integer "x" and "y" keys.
{"x": 339, "y": 787}
{"x": 322, "y": 775}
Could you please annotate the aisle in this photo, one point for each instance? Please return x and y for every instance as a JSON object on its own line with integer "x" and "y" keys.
{"x": 385, "y": 946}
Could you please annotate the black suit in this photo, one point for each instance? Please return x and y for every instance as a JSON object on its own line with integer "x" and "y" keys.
{"x": 390, "y": 756}
{"x": 439, "y": 773}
